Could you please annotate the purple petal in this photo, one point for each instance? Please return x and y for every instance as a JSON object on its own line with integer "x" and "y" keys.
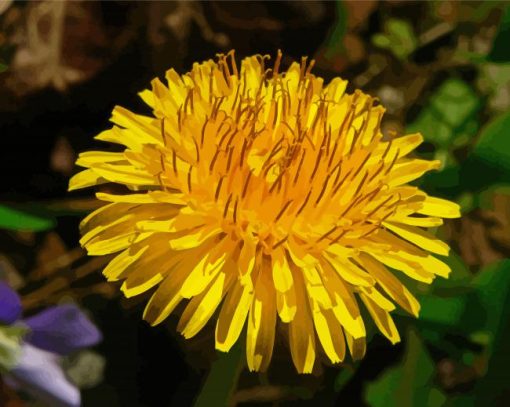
{"x": 62, "y": 329}
{"x": 39, "y": 373}
{"x": 10, "y": 304}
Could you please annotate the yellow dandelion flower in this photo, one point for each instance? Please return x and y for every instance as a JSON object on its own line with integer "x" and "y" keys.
{"x": 270, "y": 197}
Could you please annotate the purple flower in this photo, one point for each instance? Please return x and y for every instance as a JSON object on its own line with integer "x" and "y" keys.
{"x": 40, "y": 374}
{"x": 54, "y": 332}
{"x": 10, "y": 304}
{"x": 62, "y": 329}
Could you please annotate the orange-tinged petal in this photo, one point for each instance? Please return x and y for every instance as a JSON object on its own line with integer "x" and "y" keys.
{"x": 140, "y": 283}
{"x": 167, "y": 296}
{"x": 330, "y": 334}
{"x": 357, "y": 346}
{"x": 115, "y": 268}
{"x": 391, "y": 285}
{"x": 301, "y": 332}
{"x": 202, "y": 307}
{"x": 195, "y": 239}
{"x": 205, "y": 270}
{"x": 345, "y": 306}
{"x": 286, "y": 304}
{"x": 382, "y": 319}
{"x": 261, "y": 324}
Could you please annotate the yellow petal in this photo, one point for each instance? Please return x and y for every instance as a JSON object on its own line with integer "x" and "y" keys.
{"x": 179, "y": 223}
{"x": 148, "y": 97}
{"x": 84, "y": 179}
{"x": 301, "y": 332}
{"x": 300, "y": 255}
{"x": 336, "y": 88}
{"x": 103, "y": 215}
{"x": 246, "y": 260}
{"x": 428, "y": 262}
{"x": 420, "y": 238}
{"x": 99, "y": 247}
{"x": 125, "y": 174}
{"x": 192, "y": 240}
{"x": 382, "y": 319}
{"x": 412, "y": 269}
{"x": 202, "y": 307}
{"x": 139, "y": 283}
{"x": 405, "y": 172}
{"x": 146, "y": 198}
{"x": 149, "y": 269}
{"x": 205, "y": 270}
{"x": 404, "y": 145}
{"x": 115, "y": 227}
{"x": 395, "y": 289}
{"x": 114, "y": 269}
{"x": 378, "y": 298}
{"x": 282, "y": 275}
{"x": 91, "y": 158}
{"x": 147, "y": 129}
{"x": 233, "y": 315}
{"x": 330, "y": 334}
{"x": 350, "y": 272}
{"x": 121, "y": 136}
{"x": 166, "y": 297}
{"x": 261, "y": 324}
{"x": 286, "y": 304}
{"x": 427, "y": 222}
{"x": 345, "y": 306}
{"x": 439, "y": 207}
{"x": 357, "y": 346}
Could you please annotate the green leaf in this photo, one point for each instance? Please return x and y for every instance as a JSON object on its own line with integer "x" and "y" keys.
{"x": 222, "y": 379}
{"x": 10, "y": 345}
{"x": 15, "y": 219}
{"x": 398, "y": 37}
{"x": 344, "y": 376}
{"x": 445, "y": 183}
{"x": 409, "y": 383}
{"x": 444, "y": 311}
{"x": 334, "y": 43}
{"x": 493, "y": 284}
{"x": 459, "y": 279}
{"x": 500, "y": 51}
{"x": 449, "y": 116}
{"x": 492, "y": 150}
{"x": 460, "y": 401}
{"x": 3, "y": 67}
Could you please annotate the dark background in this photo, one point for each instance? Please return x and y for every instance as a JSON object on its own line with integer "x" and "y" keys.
{"x": 115, "y": 48}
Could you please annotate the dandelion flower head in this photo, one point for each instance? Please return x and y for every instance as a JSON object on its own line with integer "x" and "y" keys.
{"x": 267, "y": 199}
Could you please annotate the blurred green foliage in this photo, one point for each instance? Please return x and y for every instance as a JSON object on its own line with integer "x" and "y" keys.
{"x": 474, "y": 147}
{"x": 449, "y": 118}
{"x": 493, "y": 147}
{"x": 14, "y": 219}
{"x": 218, "y": 389}
{"x": 500, "y": 51}
{"x": 398, "y": 37}
{"x": 335, "y": 41}
{"x": 409, "y": 383}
